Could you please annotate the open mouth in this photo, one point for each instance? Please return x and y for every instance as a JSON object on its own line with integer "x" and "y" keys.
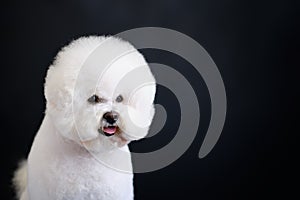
{"x": 108, "y": 130}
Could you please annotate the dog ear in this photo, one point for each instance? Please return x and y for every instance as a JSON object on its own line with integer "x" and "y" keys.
{"x": 58, "y": 89}
{"x": 143, "y": 97}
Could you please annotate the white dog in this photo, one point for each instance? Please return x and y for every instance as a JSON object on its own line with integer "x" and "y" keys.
{"x": 99, "y": 93}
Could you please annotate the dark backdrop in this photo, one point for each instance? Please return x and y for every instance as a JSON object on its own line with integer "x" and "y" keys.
{"x": 255, "y": 45}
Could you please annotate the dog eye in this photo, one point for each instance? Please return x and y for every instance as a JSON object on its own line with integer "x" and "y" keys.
{"x": 95, "y": 99}
{"x": 119, "y": 99}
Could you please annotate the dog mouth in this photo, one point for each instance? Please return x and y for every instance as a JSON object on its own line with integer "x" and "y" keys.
{"x": 108, "y": 130}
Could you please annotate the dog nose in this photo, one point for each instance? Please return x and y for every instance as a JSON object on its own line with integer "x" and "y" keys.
{"x": 111, "y": 117}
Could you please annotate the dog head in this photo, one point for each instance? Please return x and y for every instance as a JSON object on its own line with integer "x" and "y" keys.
{"x": 100, "y": 93}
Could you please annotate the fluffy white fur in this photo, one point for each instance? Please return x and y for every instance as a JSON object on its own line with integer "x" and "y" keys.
{"x": 69, "y": 158}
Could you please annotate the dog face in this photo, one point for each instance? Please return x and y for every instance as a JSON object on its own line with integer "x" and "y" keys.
{"x": 100, "y": 93}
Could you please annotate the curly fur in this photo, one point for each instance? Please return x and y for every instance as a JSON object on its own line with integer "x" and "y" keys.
{"x": 69, "y": 159}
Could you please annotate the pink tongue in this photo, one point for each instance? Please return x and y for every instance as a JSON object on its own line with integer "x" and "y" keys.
{"x": 110, "y": 130}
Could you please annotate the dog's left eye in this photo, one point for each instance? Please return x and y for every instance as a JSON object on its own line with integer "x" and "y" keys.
{"x": 95, "y": 99}
{"x": 119, "y": 99}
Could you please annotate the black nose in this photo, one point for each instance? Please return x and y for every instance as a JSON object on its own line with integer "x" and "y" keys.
{"x": 111, "y": 117}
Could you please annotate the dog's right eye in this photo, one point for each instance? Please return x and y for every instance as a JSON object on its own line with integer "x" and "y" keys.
{"x": 95, "y": 99}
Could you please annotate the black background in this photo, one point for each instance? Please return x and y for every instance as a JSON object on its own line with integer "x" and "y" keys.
{"x": 255, "y": 45}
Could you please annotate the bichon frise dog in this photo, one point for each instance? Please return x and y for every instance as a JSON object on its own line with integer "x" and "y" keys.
{"x": 99, "y": 93}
